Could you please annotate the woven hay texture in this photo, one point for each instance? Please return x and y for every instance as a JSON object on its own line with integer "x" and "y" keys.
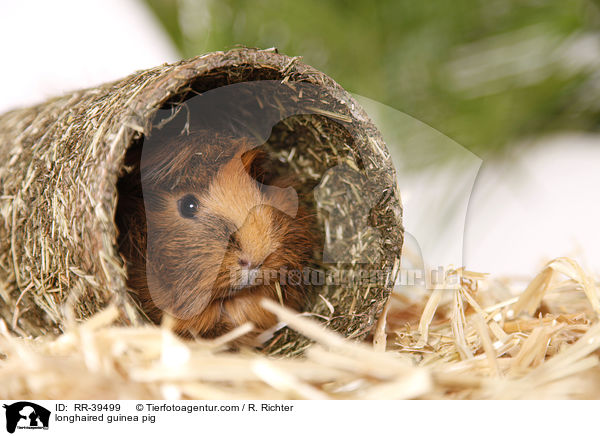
{"x": 61, "y": 161}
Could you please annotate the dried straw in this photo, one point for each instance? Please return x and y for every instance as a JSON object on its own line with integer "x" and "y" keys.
{"x": 473, "y": 350}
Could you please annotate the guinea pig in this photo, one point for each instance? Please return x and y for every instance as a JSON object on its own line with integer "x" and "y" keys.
{"x": 206, "y": 233}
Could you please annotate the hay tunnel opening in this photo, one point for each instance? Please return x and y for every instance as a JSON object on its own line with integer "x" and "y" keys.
{"x": 307, "y": 124}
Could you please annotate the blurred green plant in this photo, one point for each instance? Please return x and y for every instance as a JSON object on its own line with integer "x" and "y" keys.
{"x": 483, "y": 72}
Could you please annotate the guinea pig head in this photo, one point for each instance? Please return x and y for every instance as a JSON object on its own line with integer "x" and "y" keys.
{"x": 214, "y": 230}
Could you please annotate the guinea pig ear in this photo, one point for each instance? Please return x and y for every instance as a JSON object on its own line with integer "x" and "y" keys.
{"x": 255, "y": 163}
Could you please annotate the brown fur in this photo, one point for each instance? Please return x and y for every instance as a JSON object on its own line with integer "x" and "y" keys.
{"x": 190, "y": 267}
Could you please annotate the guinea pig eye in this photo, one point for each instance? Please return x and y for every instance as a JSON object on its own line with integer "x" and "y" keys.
{"x": 188, "y": 206}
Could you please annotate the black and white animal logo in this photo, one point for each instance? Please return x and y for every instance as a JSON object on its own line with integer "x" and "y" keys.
{"x": 26, "y": 415}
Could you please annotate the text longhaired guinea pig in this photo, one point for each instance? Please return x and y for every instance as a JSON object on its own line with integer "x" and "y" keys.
{"x": 206, "y": 231}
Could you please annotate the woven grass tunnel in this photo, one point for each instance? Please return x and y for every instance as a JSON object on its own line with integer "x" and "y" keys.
{"x": 62, "y": 160}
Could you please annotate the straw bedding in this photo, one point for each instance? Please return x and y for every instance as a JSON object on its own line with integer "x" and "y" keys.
{"x": 486, "y": 340}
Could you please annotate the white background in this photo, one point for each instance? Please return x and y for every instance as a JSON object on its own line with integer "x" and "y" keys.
{"x": 348, "y": 418}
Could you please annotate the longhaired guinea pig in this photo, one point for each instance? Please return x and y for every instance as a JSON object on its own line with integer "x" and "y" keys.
{"x": 206, "y": 233}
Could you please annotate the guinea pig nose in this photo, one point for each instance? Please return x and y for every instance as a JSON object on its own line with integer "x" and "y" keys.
{"x": 244, "y": 263}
